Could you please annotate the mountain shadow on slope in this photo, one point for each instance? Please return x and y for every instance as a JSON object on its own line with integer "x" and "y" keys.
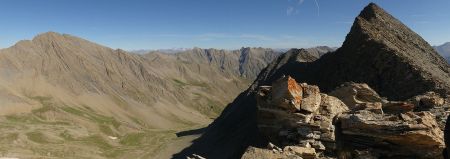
{"x": 379, "y": 51}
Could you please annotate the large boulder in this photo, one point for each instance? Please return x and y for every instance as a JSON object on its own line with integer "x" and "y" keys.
{"x": 406, "y": 135}
{"x": 287, "y": 94}
{"x": 428, "y": 101}
{"x": 369, "y": 127}
{"x": 311, "y": 98}
{"x": 309, "y": 128}
{"x": 353, "y": 94}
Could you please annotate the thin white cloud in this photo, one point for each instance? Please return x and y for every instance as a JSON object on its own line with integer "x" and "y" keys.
{"x": 318, "y": 7}
{"x": 297, "y": 1}
{"x": 290, "y": 11}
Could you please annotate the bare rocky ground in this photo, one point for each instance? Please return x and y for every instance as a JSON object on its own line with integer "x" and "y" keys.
{"x": 353, "y": 121}
{"x": 65, "y": 97}
{"x": 395, "y": 105}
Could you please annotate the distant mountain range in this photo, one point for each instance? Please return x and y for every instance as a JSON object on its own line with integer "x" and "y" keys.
{"x": 58, "y": 88}
{"x": 380, "y": 51}
{"x": 319, "y": 49}
{"x": 444, "y": 50}
{"x": 168, "y": 51}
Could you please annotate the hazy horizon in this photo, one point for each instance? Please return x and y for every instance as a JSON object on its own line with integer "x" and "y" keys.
{"x": 227, "y": 25}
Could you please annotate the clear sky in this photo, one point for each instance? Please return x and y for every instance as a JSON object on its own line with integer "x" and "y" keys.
{"x": 229, "y": 24}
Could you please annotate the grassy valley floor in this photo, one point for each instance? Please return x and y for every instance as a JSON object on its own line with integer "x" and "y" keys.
{"x": 62, "y": 131}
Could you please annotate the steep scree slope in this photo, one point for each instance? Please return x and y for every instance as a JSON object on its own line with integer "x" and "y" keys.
{"x": 379, "y": 51}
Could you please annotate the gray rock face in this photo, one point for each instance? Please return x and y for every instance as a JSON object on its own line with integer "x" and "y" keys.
{"x": 245, "y": 62}
{"x": 369, "y": 127}
{"x": 353, "y": 94}
{"x": 236, "y": 128}
{"x": 443, "y": 49}
{"x": 309, "y": 129}
{"x": 311, "y": 98}
{"x": 261, "y": 153}
{"x": 379, "y": 50}
{"x": 287, "y": 94}
{"x": 407, "y": 135}
{"x": 392, "y": 129}
{"x": 385, "y": 54}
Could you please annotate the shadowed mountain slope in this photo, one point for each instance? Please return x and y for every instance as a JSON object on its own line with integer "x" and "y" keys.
{"x": 444, "y": 50}
{"x": 379, "y": 51}
{"x": 384, "y": 53}
{"x": 230, "y": 134}
{"x": 67, "y": 97}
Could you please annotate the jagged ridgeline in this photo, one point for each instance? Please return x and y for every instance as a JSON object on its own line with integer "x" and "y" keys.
{"x": 380, "y": 51}
{"x": 444, "y": 50}
{"x": 65, "y": 97}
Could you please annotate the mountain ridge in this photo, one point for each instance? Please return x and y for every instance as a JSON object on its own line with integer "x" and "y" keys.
{"x": 444, "y": 50}
{"x": 379, "y": 50}
{"x": 91, "y": 97}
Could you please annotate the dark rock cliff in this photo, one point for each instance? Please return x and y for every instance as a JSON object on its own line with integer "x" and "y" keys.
{"x": 379, "y": 51}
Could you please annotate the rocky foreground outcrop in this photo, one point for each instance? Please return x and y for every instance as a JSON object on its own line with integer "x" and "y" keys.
{"x": 377, "y": 128}
{"x": 304, "y": 117}
{"x": 299, "y": 121}
{"x": 393, "y": 61}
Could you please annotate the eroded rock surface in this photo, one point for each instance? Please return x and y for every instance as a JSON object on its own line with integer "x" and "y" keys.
{"x": 405, "y": 135}
{"x": 365, "y": 125}
{"x": 353, "y": 94}
{"x": 379, "y": 51}
{"x": 308, "y": 129}
{"x": 384, "y": 53}
{"x": 388, "y": 129}
{"x": 286, "y": 93}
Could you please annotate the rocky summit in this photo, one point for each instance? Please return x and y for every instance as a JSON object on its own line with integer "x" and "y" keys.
{"x": 384, "y": 53}
{"x": 383, "y": 94}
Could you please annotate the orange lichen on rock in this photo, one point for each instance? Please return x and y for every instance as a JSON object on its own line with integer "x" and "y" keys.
{"x": 295, "y": 90}
{"x": 287, "y": 94}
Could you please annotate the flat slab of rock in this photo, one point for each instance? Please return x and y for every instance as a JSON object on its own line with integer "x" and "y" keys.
{"x": 353, "y": 94}
{"x": 311, "y": 98}
{"x": 287, "y": 94}
{"x": 412, "y": 134}
{"x": 259, "y": 153}
{"x": 304, "y": 152}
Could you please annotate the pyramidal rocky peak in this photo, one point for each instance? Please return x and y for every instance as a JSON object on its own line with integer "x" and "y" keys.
{"x": 382, "y": 94}
{"x": 380, "y": 48}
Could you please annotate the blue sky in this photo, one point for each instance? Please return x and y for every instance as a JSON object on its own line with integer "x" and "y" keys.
{"x": 228, "y": 24}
